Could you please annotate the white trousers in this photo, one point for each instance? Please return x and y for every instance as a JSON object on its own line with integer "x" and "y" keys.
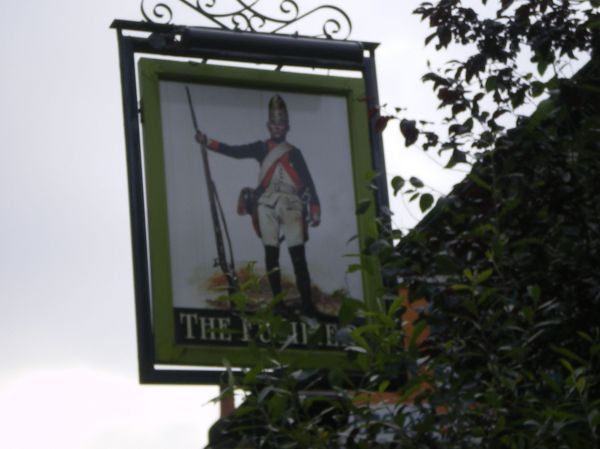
{"x": 280, "y": 214}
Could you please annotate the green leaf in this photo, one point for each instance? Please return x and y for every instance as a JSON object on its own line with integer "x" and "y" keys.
{"x": 491, "y": 83}
{"x": 460, "y": 287}
{"x": 537, "y": 88}
{"x": 264, "y": 393}
{"x": 425, "y": 201}
{"x": 594, "y": 418}
{"x": 359, "y": 339}
{"x": 277, "y": 404}
{"x": 250, "y": 376}
{"x": 370, "y": 175}
{"x": 585, "y": 336}
{"x": 418, "y": 329}
{"x": 430, "y": 38}
{"x": 593, "y": 24}
{"x": 381, "y": 123}
{"x": 528, "y": 313}
{"x": 468, "y": 274}
{"x": 534, "y": 291}
{"x": 567, "y": 365}
{"x": 480, "y": 182}
{"x": 527, "y": 242}
{"x": 352, "y": 268}
{"x": 409, "y": 130}
{"x": 580, "y": 384}
{"x": 484, "y": 275}
{"x": 444, "y": 36}
{"x": 567, "y": 353}
{"x": 397, "y": 183}
{"x": 348, "y": 310}
{"x": 416, "y": 182}
{"x": 551, "y": 382}
{"x": 458, "y": 157}
{"x": 384, "y": 386}
{"x": 396, "y": 305}
{"x": 416, "y": 386}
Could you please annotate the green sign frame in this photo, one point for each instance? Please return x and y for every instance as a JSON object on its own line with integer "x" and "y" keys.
{"x": 219, "y": 350}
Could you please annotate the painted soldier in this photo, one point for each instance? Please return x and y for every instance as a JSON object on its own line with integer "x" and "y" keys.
{"x": 284, "y": 202}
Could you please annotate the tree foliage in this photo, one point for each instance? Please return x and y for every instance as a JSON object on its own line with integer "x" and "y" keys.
{"x": 493, "y": 81}
{"x": 508, "y": 261}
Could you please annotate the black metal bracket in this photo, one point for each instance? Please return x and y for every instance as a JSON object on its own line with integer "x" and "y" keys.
{"x": 251, "y": 15}
{"x": 205, "y": 43}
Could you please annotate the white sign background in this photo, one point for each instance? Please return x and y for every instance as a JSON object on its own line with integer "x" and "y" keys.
{"x": 318, "y": 128}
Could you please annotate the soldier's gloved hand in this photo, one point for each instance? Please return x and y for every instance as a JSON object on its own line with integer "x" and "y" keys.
{"x": 200, "y": 137}
{"x": 315, "y": 215}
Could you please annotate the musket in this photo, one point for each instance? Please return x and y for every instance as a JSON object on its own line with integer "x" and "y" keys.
{"x": 216, "y": 212}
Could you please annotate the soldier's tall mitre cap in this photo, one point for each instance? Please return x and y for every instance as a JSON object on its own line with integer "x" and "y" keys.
{"x": 278, "y": 113}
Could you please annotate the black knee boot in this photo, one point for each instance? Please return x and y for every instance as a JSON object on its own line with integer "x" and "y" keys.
{"x": 272, "y": 266}
{"x": 298, "y": 256}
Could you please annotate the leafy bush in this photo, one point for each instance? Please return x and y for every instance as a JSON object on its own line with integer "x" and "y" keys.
{"x": 508, "y": 263}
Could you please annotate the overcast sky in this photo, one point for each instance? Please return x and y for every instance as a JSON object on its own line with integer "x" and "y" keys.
{"x": 67, "y": 326}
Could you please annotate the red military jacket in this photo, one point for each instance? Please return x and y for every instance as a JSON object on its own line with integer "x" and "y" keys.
{"x": 292, "y": 161}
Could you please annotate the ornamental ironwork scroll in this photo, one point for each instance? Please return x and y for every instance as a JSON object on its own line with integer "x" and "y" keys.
{"x": 267, "y": 16}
